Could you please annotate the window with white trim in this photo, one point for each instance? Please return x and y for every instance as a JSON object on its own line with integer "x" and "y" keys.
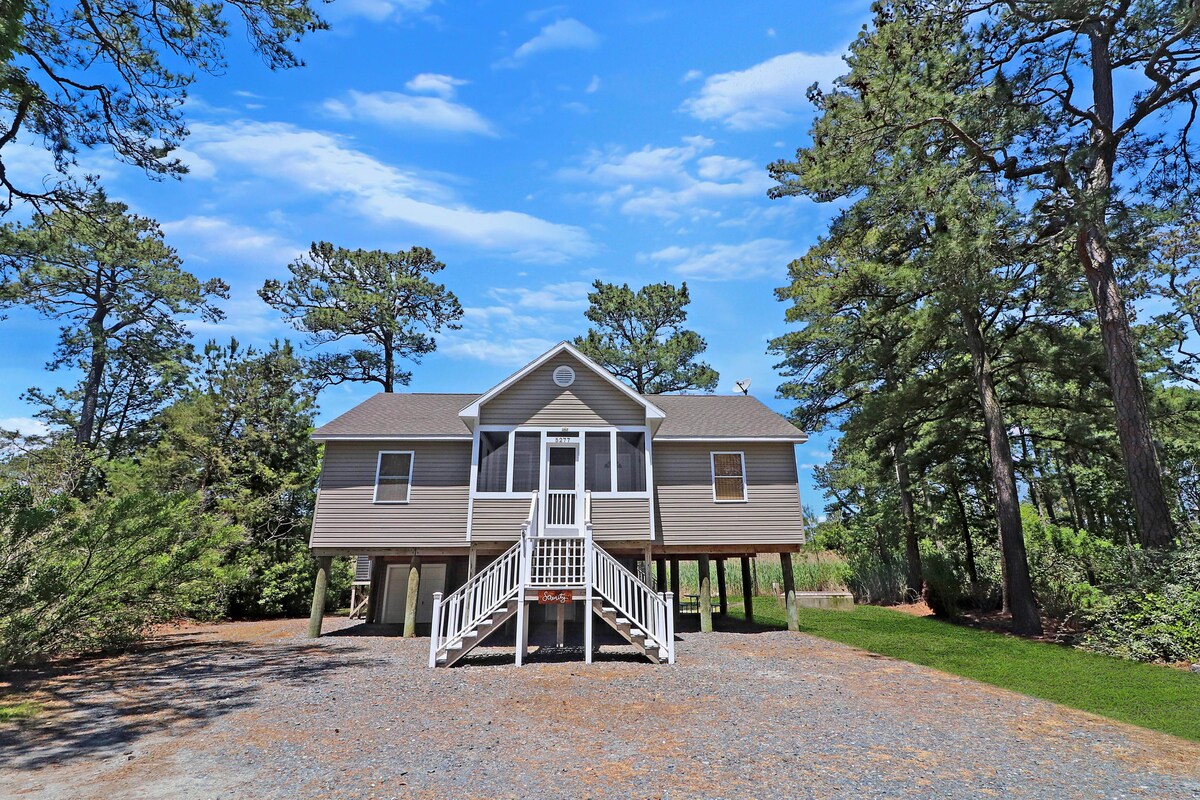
{"x": 527, "y": 450}
{"x": 729, "y": 477}
{"x": 393, "y": 476}
{"x": 614, "y": 461}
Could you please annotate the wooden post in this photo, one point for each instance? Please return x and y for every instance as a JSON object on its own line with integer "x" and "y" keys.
{"x": 375, "y": 593}
{"x": 647, "y": 561}
{"x": 660, "y": 574}
{"x": 722, "y": 597}
{"x": 410, "y": 602}
{"x": 789, "y": 592}
{"x": 675, "y": 585}
{"x": 472, "y": 560}
{"x": 560, "y": 624}
{"x": 705, "y": 577}
{"x": 747, "y": 589}
{"x": 324, "y": 563}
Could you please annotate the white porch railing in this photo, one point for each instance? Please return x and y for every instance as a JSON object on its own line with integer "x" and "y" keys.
{"x": 557, "y": 561}
{"x": 560, "y": 508}
{"x": 647, "y": 611}
{"x": 466, "y": 608}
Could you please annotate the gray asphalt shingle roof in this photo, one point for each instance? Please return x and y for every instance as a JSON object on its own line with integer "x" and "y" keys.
{"x": 687, "y": 415}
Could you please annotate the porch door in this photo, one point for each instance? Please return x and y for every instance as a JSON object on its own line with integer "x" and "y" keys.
{"x": 563, "y": 508}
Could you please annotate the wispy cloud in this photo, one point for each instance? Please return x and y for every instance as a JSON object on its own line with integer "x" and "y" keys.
{"x": 27, "y": 426}
{"x": 377, "y": 10}
{"x": 724, "y": 262}
{"x": 414, "y": 112}
{"x": 207, "y": 238}
{"x": 326, "y": 165}
{"x": 669, "y": 182}
{"x": 435, "y": 83}
{"x": 513, "y": 331}
{"x": 563, "y": 34}
{"x": 766, "y": 95}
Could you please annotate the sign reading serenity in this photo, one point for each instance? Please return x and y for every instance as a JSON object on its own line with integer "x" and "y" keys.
{"x": 555, "y": 596}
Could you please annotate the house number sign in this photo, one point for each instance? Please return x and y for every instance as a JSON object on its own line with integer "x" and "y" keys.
{"x": 555, "y": 596}
{"x": 564, "y": 440}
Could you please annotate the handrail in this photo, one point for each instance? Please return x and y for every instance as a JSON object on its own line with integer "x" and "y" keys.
{"x": 464, "y": 609}
{"x": 645, "y": 609}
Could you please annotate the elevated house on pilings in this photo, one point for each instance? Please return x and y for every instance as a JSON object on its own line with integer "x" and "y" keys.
{"x": 558, "y": 497}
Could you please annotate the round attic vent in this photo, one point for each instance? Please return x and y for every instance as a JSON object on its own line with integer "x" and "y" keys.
{"x": 564, "y": 376}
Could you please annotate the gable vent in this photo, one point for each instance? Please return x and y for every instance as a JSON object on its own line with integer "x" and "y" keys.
{"x": 564, "y": 376}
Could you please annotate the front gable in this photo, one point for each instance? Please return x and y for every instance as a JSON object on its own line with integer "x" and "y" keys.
{"x": 533, "y": 396}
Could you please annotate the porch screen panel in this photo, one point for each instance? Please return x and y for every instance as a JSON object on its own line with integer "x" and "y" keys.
{"x": 631, "y": 461}
{"x": 729, "y": 477}
{"x": 527, "y": 447}
{"x": 493, "y": 461}
{"x": 597, "y": 462}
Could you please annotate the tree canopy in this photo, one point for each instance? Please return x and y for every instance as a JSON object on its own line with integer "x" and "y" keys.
{"x": 640, "y": 338}
{"x": 386, "y": 299}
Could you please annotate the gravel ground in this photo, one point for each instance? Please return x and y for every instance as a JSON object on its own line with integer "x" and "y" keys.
{"x": 253, "y": 710}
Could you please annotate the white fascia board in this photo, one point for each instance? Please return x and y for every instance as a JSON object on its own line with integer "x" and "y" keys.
{"x": 798, "y": 439}
{"x": 389, "y": 437}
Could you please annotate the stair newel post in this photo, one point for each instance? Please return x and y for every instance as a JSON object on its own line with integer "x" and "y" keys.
{"x": 589, "y": 567}
{"x": 522, "y": 580}
{"x": 435, "y": 629}
{"x": 670, "y": 627}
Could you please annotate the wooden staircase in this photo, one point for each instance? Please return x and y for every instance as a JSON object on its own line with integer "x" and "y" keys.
{"x": 472, "y": 639}
{"x": 539, "y": 563}
{"x": 628, "y": 632}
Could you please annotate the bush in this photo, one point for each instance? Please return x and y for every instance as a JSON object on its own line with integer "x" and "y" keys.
{"x": 944, "y": 590}
{"x": 1067, "y": 565}
{"x": 1156, "y": 618}
{"x": 87, "y": 576}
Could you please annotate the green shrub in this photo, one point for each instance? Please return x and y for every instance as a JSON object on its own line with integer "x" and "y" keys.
{"x": 1068, "y": 565}
{"x": 86, "y": 576}
{"x": 1156, "y": 618}
{"x": 944, "y": 589}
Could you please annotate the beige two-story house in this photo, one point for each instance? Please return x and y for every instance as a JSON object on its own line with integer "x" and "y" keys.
{"x": 560, "y": 494}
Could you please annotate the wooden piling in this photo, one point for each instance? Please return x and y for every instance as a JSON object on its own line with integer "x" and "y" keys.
{"x": 324, "y": 563}
{"x": 747, "y": 589}
{"x": 410, "y": 602}
{"x": 375, "y": 594}
{"x": 722, "y": 597}
{"x": 675, "y": 585}
{"x": 705, "y": 577}
{"x": 789, "y": 592}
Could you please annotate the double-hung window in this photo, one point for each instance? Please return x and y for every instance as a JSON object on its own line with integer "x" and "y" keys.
{"x": 393, "y": 476}
{"x": 729, "y": 477}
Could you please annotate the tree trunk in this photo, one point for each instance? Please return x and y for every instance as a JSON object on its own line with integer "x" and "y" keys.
{"x": 912, "y": 551}
{"x": 389, "y": 365}
{"x": 968, "y": 545}
{"x": 1026, "y": 619}
{"x": 1035, "y": 493}
{"x": 85, "y": 428}
{"x": 1142, "y": 470}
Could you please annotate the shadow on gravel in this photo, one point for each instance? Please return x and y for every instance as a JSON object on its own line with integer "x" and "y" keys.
{"x": 102, "y": 708}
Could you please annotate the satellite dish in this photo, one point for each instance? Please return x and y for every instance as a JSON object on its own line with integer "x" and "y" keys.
{"x": 743, "y": 386}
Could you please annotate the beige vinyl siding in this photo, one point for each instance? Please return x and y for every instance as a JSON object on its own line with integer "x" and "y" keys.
{"x": 537, "y": 400}
{"x": 620, "y": 518}
{"x": 436, "y": 514}
{"x": 686, "y": 514}
{"x": 498, "y": 520}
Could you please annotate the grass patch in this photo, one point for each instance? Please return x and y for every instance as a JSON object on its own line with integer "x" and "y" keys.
{"x": 1148, "y": 695}
{"x": 22, "y": 709}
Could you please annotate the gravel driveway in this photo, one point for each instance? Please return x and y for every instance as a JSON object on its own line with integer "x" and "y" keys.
{"x": 253, "y": 710}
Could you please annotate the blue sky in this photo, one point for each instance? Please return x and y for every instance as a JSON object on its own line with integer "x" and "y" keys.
{"x": 533, "y": 149}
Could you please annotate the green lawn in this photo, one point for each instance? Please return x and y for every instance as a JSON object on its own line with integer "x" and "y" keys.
{"x": 1152, "y": 696}
{"x": 22, "y": 709}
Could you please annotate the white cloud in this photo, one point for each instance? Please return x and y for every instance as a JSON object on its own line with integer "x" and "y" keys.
{"x": 376, "y": 10}
{"x": 435, "y": 83}
{"x": 766, "y": 95}
{"x": 564, "y": 34}
{"x": 723, "y": 262}
{"x": 502, "y": 333}
{"x": 27, "y": 426}
{"x": 594, "y": 85}
{"x": 568, "y": 296}
{"x": 691, "y": 75}
{"x": 668, "y": 182}
{"x": 326, "y": 165}
{"x": 399, "y": 110}
{"x": 206, "y": 236}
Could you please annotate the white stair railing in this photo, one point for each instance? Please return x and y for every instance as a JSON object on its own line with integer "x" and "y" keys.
{"x": 647, "y": 611}
{"x": 557, "y": 561}
{"x": 462, "y": 611}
